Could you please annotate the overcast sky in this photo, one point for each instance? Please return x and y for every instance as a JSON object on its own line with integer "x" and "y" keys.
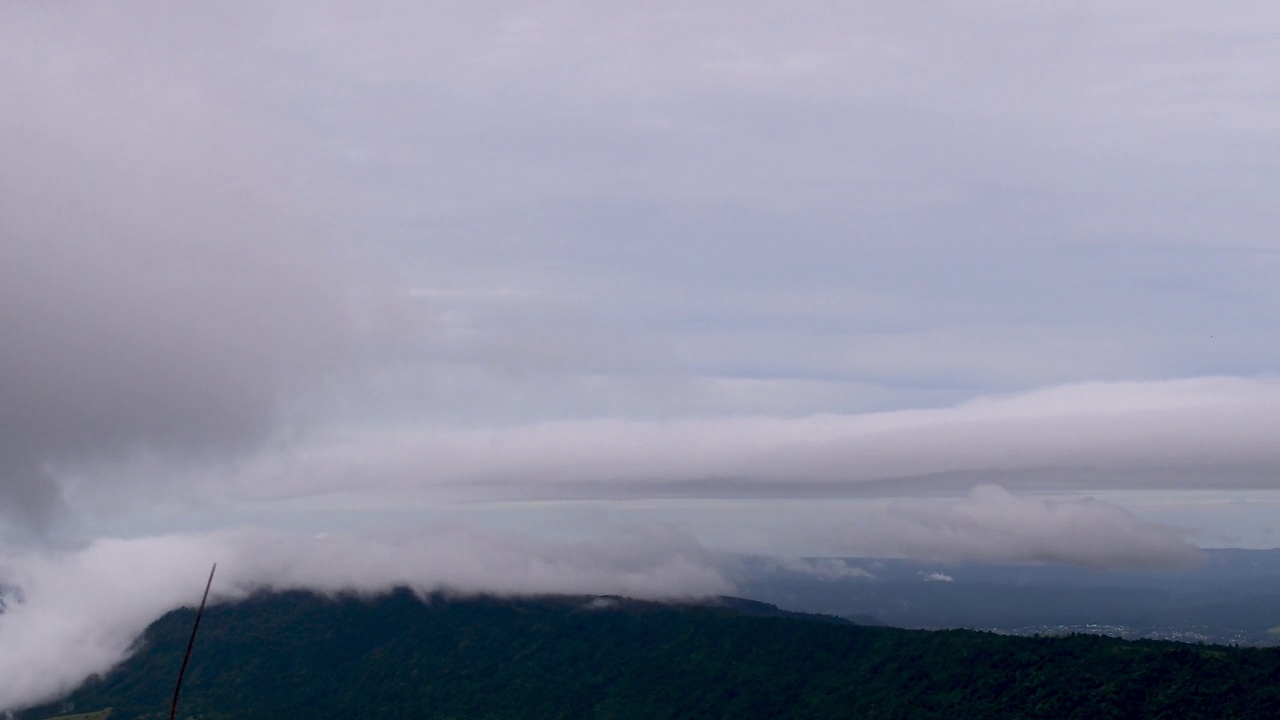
{"x": 650, "y": 281}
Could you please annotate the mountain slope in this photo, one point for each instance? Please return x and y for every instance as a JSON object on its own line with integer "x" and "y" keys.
{"x": 301, "y": 656}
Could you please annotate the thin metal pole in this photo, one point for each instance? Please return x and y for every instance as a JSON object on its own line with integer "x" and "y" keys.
{"x": 173, "y": 709}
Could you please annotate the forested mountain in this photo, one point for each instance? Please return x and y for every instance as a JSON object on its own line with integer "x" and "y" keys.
{"x": 298, "y": 655}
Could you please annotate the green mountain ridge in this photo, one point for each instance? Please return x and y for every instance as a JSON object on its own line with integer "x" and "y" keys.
{"x": 299, "y": 655}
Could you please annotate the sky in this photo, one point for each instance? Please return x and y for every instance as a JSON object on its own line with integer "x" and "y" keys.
{"x": 567, "y": 297}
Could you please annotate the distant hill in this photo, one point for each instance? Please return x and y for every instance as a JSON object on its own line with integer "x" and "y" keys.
{"x": 297, "y": 655}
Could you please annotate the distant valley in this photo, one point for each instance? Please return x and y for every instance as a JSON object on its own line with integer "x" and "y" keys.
{"x": 1233, "y": 598}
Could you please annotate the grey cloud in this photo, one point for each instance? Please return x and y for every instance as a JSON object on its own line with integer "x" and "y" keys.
{"x": 164, "y": 282}
{"x": 990, "y": 524}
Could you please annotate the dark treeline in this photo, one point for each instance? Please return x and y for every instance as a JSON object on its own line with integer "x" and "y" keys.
{"x": 297, "y": 655}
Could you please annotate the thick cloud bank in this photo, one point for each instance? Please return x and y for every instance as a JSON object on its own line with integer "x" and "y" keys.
{"x": 77, "y": 613}
{"x": 1197, "y": 433}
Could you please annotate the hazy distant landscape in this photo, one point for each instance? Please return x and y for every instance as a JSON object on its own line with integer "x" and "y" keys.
{"x": 1233, "y": 598}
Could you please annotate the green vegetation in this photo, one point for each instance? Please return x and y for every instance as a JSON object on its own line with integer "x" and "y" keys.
{"x": 298, "y": 655}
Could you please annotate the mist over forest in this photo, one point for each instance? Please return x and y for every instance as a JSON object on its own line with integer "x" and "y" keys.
{"x": 642, "y": 300}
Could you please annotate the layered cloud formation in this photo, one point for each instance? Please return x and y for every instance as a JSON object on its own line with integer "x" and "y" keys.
{"x": 1197, "y": 433}
{"x": 844, "y": 280}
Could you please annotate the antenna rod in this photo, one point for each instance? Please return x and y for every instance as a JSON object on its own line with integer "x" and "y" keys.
{"x": 173, "y": 709}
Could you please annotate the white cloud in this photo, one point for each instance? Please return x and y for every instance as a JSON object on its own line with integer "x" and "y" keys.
{"x": 79, "y": 611}
{"x": 1205, "y": 433}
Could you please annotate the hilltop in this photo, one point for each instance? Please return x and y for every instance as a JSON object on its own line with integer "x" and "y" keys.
{"x": 298, "y": 655}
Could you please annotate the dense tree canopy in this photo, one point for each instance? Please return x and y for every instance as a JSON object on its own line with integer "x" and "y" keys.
{"x": 301, "y": 656}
